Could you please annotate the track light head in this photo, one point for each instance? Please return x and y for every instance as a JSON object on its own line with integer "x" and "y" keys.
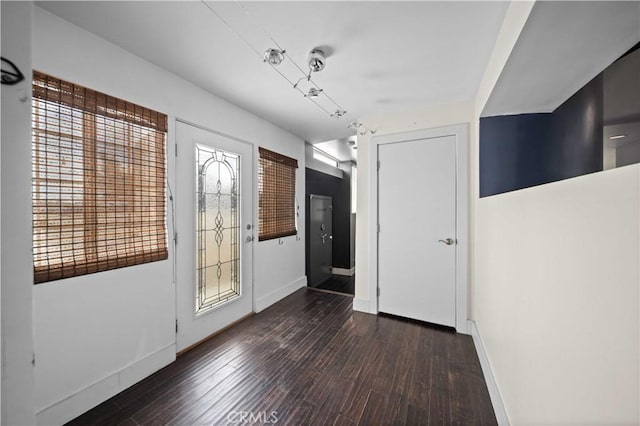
{"x": 317, "y": 60}
{"x": 274, "y": 57}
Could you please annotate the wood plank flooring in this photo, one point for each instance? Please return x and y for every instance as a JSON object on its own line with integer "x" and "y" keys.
{"x": 310, "y": 360}
{"x": 340, "y": 284}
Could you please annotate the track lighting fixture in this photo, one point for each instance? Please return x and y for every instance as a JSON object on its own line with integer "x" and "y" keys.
{"x": 316, "y": 60}
{"x": 313, "y": 93}
{"x": 360, "y": 128}
{"x": 274, "y": 57}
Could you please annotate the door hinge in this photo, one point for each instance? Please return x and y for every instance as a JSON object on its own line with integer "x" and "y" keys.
{"x": 378, "y": 228}
{"x": 176, "y": 150}
{"x": 378, "y": 291}
{"x": 175, "y": 238}
{"x": 176, "y": 326}
{"x": 33, "y": 359}
{"x": 378, "y": 164}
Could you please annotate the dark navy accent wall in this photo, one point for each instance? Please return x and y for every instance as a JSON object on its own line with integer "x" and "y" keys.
{"x": 520, "y": 151}
{"x": 340, "y": 191}
{"x": 514, "y": 152}
{"x": 577, "y": 132}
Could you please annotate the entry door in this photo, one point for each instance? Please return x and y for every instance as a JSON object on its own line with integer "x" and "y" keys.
{"x": 417, "y": 236}
{"x": 214, "y": 211}
{"x": 320, "y": 239}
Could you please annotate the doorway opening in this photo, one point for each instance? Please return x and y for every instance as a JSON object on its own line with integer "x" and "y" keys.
{"x": 330, "y": 216}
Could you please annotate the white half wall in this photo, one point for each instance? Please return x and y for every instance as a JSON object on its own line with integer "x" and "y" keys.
{"x": 557, "y": 300}
{"x": 97, "y": 334}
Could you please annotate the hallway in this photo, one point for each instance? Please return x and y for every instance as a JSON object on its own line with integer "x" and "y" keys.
{"x": 309, "y": 359}
{"x": 339, "y": 284}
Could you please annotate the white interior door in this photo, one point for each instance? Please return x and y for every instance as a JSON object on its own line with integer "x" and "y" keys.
{"x": 214, "y": 222}
{"x": 417, "y": 214}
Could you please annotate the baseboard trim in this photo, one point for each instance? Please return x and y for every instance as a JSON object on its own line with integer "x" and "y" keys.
{"x": 78, "y": 403}
{"x": 345, "y": 272}
{"x": 278, "y": 294}
{"x": 492, "y": 386}
{"x": 363, "y": 305}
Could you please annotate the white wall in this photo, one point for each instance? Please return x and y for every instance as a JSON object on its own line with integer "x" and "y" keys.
{"x": 17, "y": 269}
{"x": 421, "y": 118}
{"x": 97, "y": 334}
{"x": 556, "y": 298}
{"x": 555, "y": 277}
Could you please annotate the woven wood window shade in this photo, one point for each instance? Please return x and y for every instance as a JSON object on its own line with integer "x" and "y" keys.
{"x": 276, "y": 195}
{"x": 98, "y": 181}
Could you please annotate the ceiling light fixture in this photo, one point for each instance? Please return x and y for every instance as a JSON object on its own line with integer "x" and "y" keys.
{"x": 274, "y": 57}
{"x": 360, "y": 128}
{"x": 313, "y": 93}
{"x": 617, "y": 137}
{"x": 317, "y": 60}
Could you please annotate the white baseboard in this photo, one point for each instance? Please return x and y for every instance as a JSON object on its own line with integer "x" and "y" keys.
{"x": 363, "y": 305}
{"x": 269, "y": 299}
{"x": 342, "y": 271}
{"x": 72, "y": 406}
{"x": 492, "y": 386}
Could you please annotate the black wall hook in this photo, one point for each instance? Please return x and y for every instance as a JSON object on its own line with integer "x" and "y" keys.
{"x": 12, "y": 75}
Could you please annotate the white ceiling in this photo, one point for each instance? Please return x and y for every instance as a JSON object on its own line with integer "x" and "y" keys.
{"x": 382, "y": 56}
{"x": 561, "y": 48}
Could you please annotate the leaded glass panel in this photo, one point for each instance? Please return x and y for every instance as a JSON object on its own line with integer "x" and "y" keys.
{"x": 217, "y": 228}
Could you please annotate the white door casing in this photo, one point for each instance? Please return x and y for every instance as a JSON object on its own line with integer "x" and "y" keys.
{"x": 192, "y": 327}
{"x": 459, "y": 133}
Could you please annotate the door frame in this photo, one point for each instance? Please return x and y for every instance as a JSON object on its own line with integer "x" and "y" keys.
{"x": 461, "y": 134}
{"x": 254, "y": 212}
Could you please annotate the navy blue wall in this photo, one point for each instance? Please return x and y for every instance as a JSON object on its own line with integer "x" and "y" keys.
{"x": 577, "y": 132}
{"x": 513, "y": 152}
{"x": 520, "y": 151}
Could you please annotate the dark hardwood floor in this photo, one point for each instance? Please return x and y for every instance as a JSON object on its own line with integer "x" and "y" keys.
{"x": 310, "y": 360}
{"x": 340, "y": 284}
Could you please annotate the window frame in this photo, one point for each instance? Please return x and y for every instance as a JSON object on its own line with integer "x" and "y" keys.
{"x": 277, "y": 206}
{"x": 114, "y": 201}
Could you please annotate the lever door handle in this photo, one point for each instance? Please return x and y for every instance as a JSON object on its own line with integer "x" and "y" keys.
{"x": 448, "y": 241}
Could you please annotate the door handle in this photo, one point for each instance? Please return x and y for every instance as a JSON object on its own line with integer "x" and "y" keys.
{"x": 448, "y": 241}
{"x": 323, "y": 236}
{"x": 249, "y": 238}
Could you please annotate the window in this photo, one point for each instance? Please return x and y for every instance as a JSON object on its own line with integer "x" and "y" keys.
{"x": 324, "y": 157}
{"x": 276, "y": 195}
{"x": 98, "y": 181}
{"x": 217, "y": 227}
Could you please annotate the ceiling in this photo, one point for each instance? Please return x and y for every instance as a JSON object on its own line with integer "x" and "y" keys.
{"x": 561, "y": 48}
{"x": 382, "y": 56}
